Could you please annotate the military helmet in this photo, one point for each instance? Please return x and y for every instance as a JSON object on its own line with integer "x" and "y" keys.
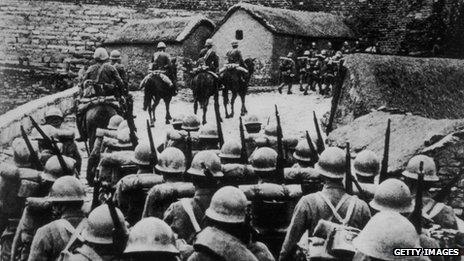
{"x": 115, "y": 55}
{"x": 123, "y": 125}
{"x": 384, "y": 232}
{"x": 161, "y": 45}
{"x": 366, "y": 164}
{"x": 142, "y": 154}
{"x": 271, "y": 130}
{"x": 53, "y": 170}
{"x": 252, "y": 123}
{"x": 123, "y": 137}
{"x": 228, "y": 205}
{"x": 290, "y": 55}
{"x": 171, "y": 160}
{"x": 65, "y": 189}
{"x": 231, "y": 149}
{"x": 53, "y": 112}
{"x": 209, "y": 42}
{"x": 100, "y": 54}
{"x": 264, "y": 159}
{"x": 306, "y": 53}
{"x": 151, "y": 235}
{"x": 208, "y": 131}
{"x": 190, "y": 123}
{"x": 303, "y": 152}
{"x": 412, "y": 169}
{"x": 234, "y": 43}
{"x": 332, "y": 163}
{"x": 210, "y": 160}
{"x": 114, "y": 122}
{"x": 21, "y": 153}
{"x": 313, "y": 44}
{"x": 324, "y": 52}
{"x": 177, "y": 121}
{"x": 100, "y": 225}
{"x": 173, "y": 135}
{"x": 392, "y": 195}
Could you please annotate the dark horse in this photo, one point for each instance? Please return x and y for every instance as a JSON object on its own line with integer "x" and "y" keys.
{"x": 156, "y": 89}
{"x": 95, "y": 117}
{"x": 203, "y": 85}
{"x": 238, "y": 86}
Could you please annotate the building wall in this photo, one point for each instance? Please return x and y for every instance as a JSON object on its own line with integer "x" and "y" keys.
{"x": 257, "y": 43}
{"x": 195, "y": 42}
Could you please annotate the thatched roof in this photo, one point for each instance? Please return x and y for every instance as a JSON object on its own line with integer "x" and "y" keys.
{"x": 410, "y": 135}
{"x": 170, "y": 30}
{"x": 428, "y": 87}
{"x": 295, "y": 23}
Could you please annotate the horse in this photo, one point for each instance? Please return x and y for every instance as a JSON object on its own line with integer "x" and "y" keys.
{"x": 95, "y": 117}
{"x": 204, "y": 85}
{"x": 155, "y": 88}
{"x": 232, "y": 81}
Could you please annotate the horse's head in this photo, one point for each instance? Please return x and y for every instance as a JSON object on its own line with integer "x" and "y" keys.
{"x": 250, "y": 64}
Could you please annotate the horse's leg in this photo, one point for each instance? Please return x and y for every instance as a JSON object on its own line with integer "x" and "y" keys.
{"x": 195, "y": 105}
{"x": 150, "y": 115}
{"x": 167, "y": 102}
{"x": 155, "y": 103}
{"x": 204, "y": 106}
{"x": 232, "y": 103}
{"x": 244, "y": 110}
{"x": 216, "y": 105}
{"x": 225, "y": 96}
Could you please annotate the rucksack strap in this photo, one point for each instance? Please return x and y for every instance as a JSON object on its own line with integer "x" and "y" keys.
{"x": 336, "y": 208}
{"x": 432, "y": 208}
{"x": 187, "y": 205}
{"x": 75, "y": 235}
{"x": 100, "y": 70}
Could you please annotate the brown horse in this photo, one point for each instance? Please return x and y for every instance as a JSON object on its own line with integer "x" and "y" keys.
{"x": 238, "y": 85}
{"x": 203, "y": 85}
{"x": 95, "y": 117}
{"x": 156, "y": 89}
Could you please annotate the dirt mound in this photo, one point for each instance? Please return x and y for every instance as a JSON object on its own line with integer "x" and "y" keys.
{"x": 429, "y": 87}
{"x": 410, "y": 135}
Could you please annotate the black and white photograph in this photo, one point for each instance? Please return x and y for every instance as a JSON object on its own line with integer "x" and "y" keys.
{"x": 231, "y": 130}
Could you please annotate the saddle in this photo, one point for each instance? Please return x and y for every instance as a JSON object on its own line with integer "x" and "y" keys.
{"x": 162, "y": 74}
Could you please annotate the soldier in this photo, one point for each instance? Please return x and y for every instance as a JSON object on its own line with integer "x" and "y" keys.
{"x": 162, "y": 63}
{"x": 67, "y": 197}
{"x": 209, "y": 57}
{"x": 263, "y": 164}
{"x": 304, "y": 156}
{"x": 54, "y": 117}
{"x": 366, "y": 167}
{"x": 235, "y": 60}
{"x": 98, "y": 237}
{"x": 227, "y": 236}
{"x": 171, "y": 165}
{"x": 287, "y": 72}
{"x": 142, "y": 158}
{"x": 37, "y": 211}
{"x": 384, "y": 233}
{"x": 302, "y": 68}
{"x": 392, "y": 195}
{"x": 208, "y": 138}
{"x": 115, "y": 57}
{"x": 346, "y": 48}
{"x": 252, "y": 124}
{"x": 177, "y": 121}
{"x": 231, "y": 152}
{"x": 330, "y": 49}
{"x": 185, "y": 215}
{"x": 236, "y": 172}
{"x": 313, "y": 50}
{"x": 438, "y": 212}
{"x": 100, "y": 79}
{"x": 320, "y": 205}
{"x": 151, "y": 239}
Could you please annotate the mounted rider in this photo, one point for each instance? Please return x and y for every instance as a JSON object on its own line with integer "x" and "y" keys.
{"x": 115, "y": 57}
{"x": 208, "y": 59}
{"x": 100, "y": 79}
{"x": 162, "y": 66}
{"x": 235, "y": 61}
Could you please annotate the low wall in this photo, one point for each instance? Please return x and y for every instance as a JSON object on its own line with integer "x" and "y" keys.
{"x": 11, "y": 121}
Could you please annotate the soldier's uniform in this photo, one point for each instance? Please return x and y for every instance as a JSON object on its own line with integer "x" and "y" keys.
{"x": 235, "y": 61}
{"x": 314, "y": 207}
{"x": 209, "y": 57}
{"x": 313, "y": 50}
{"x": 98, "y": 238}
{"x": 287, "y": 72}
{"x": 52, "y": 238}
{"x": 302, "y": 62}
{"x": 185, "y": 216}
{"x": 228, "y": 208}
{"x": 346, "y": 48}
{"x": 115, "y": 57}
{"x": 161, "y": 65}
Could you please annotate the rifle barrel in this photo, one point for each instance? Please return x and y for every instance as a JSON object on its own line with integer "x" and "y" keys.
{"x": 243, "y": 152}
{"x": 311, "y": 147}
{"x": 348, "y": 176}
{"x": 154, "y": 156}
{"x": 320, "y": 140}
{"x": 384, "y": 167}
{"x": 280, "y": 152}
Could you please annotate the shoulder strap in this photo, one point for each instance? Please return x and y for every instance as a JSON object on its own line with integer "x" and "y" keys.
{"x": 99, "y": 73}
{"x": 432, "y": 209}
{"x": 334, "y": 209}
{"x": 187, "y": 205}
{"x": 75, "y": 235}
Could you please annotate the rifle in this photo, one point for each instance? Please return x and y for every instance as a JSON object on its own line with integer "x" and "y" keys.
{"x": 126, "y": 104}
{"x": 51, "y": 144}
{"x": 441, "y": 195}
{"x": 243, "y": 152}
{"x": 384, "y": 168}
{"x": 336, "y": 97}
{"x": 280, "y": 151}
{"x": 320, "y": 140}
{"x": 96, "y": 190}
{"x": 120, "y": 235}
{"x": 189, "y": 156}
{"x": 311, "y": 147}
{"x": 218, "y": 125}
{"x": 154, "y": 157}
{"x": 33, "y": 158}
{"x": 416, "y": 215}
{"x": 348, "y": 176}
